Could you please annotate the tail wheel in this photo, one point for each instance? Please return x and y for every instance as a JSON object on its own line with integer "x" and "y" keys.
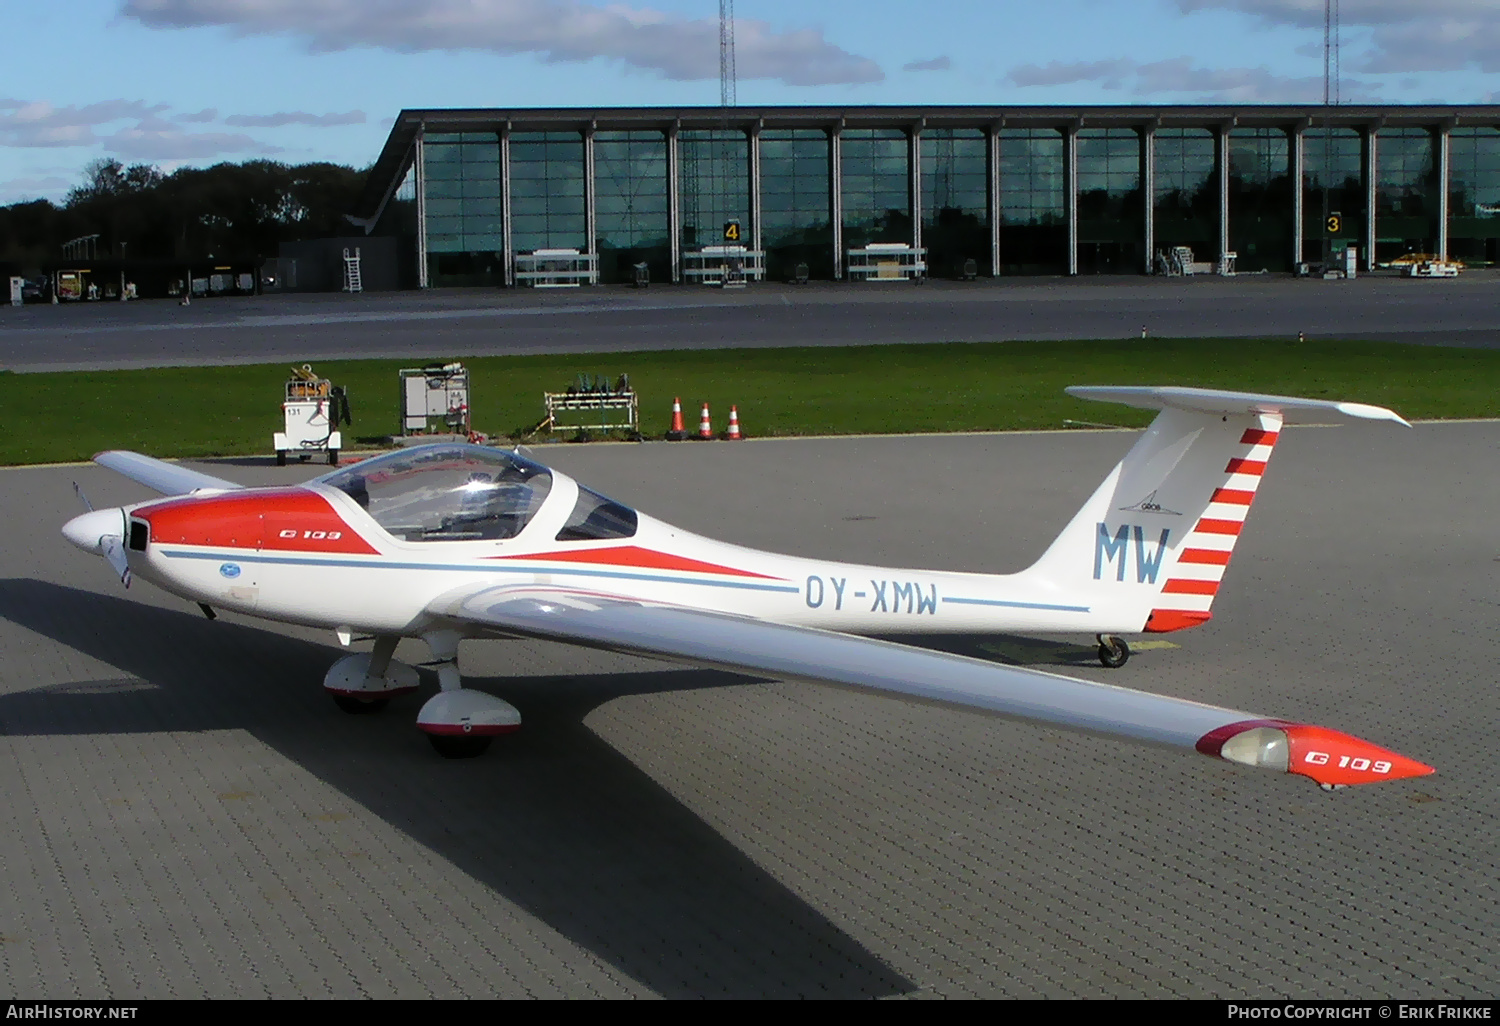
{"x": 1113, "y": 652}
{"x": 358, "y": 706}
{"x": 451, "y": 746}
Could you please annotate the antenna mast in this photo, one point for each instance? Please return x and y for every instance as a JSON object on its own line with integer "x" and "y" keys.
{"x": 1330, "y": 52}
{"x": 1330, "y": 98}
{"x": 727, "y": 76}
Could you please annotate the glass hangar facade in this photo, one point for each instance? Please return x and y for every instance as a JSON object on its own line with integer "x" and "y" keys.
{"x": 992, "y": 191}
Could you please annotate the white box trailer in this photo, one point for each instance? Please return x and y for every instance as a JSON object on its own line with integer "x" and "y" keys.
{"x": 435, "y": 400}
{"x": 311, "y": 413}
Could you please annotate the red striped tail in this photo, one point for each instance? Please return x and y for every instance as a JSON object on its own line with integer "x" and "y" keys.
{"x": 1193, "y": 579}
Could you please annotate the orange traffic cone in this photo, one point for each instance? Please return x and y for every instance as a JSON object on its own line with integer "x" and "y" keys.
{"x": 678, "y": 432}
{"x": 734, "y": 425}
{"x": 705, "y": 429}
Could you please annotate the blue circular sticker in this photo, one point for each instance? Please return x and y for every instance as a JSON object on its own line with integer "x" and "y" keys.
{"x": 229, "y": 570}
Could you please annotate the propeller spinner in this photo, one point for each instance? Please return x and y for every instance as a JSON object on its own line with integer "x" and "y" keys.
{"x": 102, "y": 532}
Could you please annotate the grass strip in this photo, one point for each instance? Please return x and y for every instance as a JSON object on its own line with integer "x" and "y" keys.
{"x": 223, "y": 411}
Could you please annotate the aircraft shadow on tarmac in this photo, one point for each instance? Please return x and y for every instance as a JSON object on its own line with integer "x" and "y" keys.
{"x": 1011, "y": 649}
{"x": 560, "y": 822}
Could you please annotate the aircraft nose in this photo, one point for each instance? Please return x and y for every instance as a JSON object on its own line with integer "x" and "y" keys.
{"x": 86, "y": 530}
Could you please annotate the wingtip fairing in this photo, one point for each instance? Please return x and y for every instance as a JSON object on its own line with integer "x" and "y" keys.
{"x": 1330, "y": 758}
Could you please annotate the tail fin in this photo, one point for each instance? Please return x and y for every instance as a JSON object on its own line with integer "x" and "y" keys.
{"x": 1151, "y": 545}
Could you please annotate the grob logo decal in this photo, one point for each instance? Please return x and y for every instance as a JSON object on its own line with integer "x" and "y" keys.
{"x": 1150, "y": 505}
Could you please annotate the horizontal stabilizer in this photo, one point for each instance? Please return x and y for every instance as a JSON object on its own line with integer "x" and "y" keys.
{"x": 159, "y": 475}
{"x": 1212, "y": 400}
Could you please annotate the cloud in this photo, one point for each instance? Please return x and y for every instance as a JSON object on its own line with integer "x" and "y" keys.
{"x": 156, "y": 139}
{"x": 1441, "y": 45}
{"x": 296, "y": 117}
{"x": 40, "y": 124}
{"x": 33, "y": 187}
{"x": 1389, "y": 35}
{"x": 203, "y": 116}
{"x": 1111, "y": 73}
{"x": 146, "y": 133}
{"x": 675, "y": 47}
{"x": 935, "y": 64}
{"x": 1309, "y": 13}
{"x": 1177, "y": 75}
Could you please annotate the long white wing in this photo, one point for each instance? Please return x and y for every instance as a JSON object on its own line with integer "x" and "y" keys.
{"x": 159, "y": 475}
{"x": 740, "y": 643}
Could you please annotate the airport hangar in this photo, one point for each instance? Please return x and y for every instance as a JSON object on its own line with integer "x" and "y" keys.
{"x": 472, "y": 195}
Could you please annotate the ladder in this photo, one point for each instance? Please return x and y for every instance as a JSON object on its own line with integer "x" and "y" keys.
{"x": 352, "y": 281}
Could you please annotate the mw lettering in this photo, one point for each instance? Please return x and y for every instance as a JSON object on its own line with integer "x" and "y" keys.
{"x": 1108, "y": 548}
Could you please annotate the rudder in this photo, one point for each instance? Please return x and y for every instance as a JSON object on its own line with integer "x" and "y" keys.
{"x": 1189, "y": 590}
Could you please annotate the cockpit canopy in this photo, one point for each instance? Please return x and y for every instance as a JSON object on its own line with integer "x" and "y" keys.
{"x": 447, "y": 492}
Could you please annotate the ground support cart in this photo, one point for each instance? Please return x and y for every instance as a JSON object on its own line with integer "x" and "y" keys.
{"x": 435, "y": 400}
{"x": 311, "y": 412}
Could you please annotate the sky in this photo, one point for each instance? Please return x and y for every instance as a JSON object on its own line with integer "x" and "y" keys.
{"x": 194, "y": 82}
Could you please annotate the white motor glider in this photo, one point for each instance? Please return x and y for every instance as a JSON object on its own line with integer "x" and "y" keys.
{"x": 447, "y": 542}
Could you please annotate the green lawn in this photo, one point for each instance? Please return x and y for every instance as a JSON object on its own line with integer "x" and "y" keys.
{"x": 199, "y": 411}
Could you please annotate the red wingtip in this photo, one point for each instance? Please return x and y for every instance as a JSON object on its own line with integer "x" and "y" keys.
{"x": 1330, "y": 757}
{"x": 1327, "y": 756}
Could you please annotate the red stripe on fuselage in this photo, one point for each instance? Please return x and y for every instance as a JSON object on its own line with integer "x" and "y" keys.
{"x": 1239, "y": 466}
{"x": 1232, "y": 495}
{"x": 635, "y": 556}
{"x": 281, "y": 519}
{"x": 1219, "y": 526}
{"x": 1211, "y": 557}
{"x": 1255, "y": 436}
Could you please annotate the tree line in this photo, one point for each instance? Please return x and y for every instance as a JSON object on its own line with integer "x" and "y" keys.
{"x": 225, "y": 212}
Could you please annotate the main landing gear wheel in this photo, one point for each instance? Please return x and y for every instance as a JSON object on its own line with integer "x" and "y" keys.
{"x": 365, "y": 682}
{"x": 1113, "y": 652}
{"x": 359, "y": 706}
{"x": 458, "y": 746}
{"x": 281, "y": 457}
{"x": 460, "y": 723}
